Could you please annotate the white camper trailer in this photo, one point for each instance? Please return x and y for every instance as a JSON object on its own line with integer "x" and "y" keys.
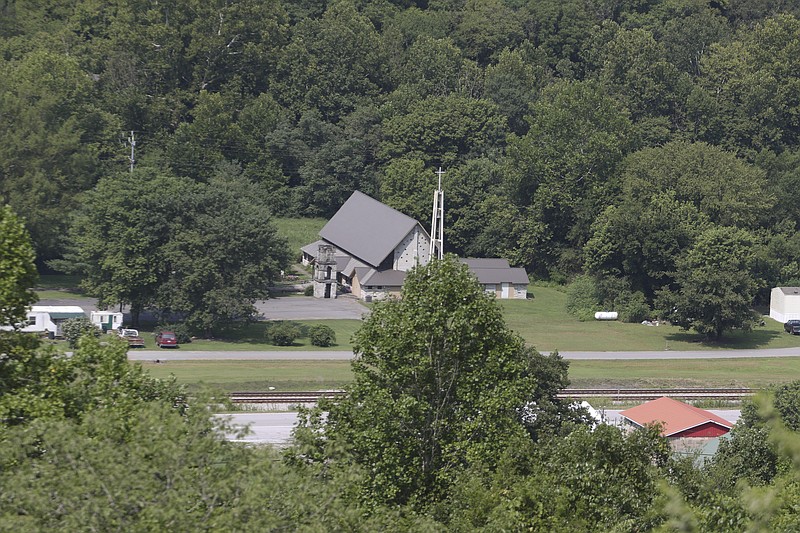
{"x": 48, "y": 318}
{"x": 106, "y": 320}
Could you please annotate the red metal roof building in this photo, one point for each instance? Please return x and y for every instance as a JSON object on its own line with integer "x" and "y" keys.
{"x": 677, "y": 419}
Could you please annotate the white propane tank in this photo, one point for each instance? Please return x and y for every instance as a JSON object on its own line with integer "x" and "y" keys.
{"x": 606, "y": 315}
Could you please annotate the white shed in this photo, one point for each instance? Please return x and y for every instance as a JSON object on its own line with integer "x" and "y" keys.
{"x": 106, "y": 320}
{"x": 41, "y": 318}
{"x": 784, "y": 304}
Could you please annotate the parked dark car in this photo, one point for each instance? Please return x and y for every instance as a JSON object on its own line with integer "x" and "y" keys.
{"x": 167, "y": 339}
{"x": 793, "y": 327}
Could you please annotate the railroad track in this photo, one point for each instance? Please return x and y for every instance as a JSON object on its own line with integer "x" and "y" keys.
{"x": 612, "y": 394}
{"x": 282, "y": 397}
{"x": 652, "y": 394}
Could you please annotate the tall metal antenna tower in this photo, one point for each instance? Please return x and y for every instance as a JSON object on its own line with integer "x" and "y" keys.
{"x": 437, "y": 220}
{"x": 132, "y": 141}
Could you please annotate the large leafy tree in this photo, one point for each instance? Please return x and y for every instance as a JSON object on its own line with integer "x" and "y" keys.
{"x": 565, "y": 167}
{"x": 54, "y": 142}
{"x": 442, "y": 131}
{"x": 17, "y": 273}
{"x": 716, "y": 287}
{"x": 728, "y": 190}
{"x": 749, "y": 94}
{"x": 207, "y": 251}
{"x": 440, "y": 383}
{"x": 642, "y": 241}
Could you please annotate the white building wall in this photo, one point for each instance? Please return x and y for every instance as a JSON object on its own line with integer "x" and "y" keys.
{"x": 413, "y": 250}
{"x": 783, "y": 307}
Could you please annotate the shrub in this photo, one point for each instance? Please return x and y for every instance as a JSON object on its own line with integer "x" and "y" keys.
{"x": 633, "y": 307}
{"x": 282, "y": 333}
{"x": 180, "y": 330}
{"x": 583, "y": 299}
{"x": 309, "y": 290}
{"x": 74, "y": 328}
{"x": 322, "y": 335}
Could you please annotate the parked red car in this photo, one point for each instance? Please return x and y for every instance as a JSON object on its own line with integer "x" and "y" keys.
{"x": 166, "y": 339}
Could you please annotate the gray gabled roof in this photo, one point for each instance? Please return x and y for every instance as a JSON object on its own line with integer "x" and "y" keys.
{"x": 385, "y": 278}
{"x": 485, "y": 262}
{"x": 495, "y": 270}
{"x": 516, "y": 276}
{"x": 367, "y": 229}
{"x": 313, "y": 248}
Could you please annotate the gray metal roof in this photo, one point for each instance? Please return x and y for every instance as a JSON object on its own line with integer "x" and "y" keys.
{"x": 790, "y": 290}
{"x": 351, "y": 266}
{"x": 516, "y": 276}
{"x": 495, "y": 270}
{"x": 386, "y": 278}
{"x": 485, "y": 262}
{"x": 313, "y": 248}
{"x": 367, "y": 229}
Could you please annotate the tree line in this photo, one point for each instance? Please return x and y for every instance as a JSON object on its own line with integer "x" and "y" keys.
{"x": 613, "y": 139}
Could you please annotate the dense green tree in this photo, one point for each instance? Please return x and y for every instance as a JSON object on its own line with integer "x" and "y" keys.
{"x": 408, "y": 186}
{"x": 716, "y": 287}
{"x": 440, "y": 383}
{"x": 17, "y": 272}
{"x": 442, "y": 131}
{"x": 585, "y": 481}
{"x": 330, "y": 64}
{"x": 150, "y": 240}
{"x": 751, "y": 89}
{"x": 642, "y": 242}
{"x": 431, "y": 67}
{"x": 565, "y": 167}
{"x": 512, "y": 83}
{"x": 727, "y": 190}
{"x": 486, "y": 27}
{"x": 53, "y": 142}
{"x": 636, "y": 71}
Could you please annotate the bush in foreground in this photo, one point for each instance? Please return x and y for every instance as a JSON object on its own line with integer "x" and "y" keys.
{"x": 282, "y": 333}
{"x": 322, "y": 335}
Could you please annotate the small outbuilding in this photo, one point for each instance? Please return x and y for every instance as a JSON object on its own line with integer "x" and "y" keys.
{"x": 784, "y": 304}
{"x": 498, "y": 278}
{"x": 678, "y": 420}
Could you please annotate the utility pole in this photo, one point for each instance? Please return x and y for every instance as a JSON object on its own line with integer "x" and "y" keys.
{"x": 437, "y": 220}
{"x": 132, "y": 140}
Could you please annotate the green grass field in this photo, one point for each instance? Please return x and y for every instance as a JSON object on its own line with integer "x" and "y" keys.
{"x": 299, "y": 231}
{"x": 319, "y": 375}
{"x": 253, "y": 337}
{"x": 59, "y": 286}
{"x": 545, "y": 324}
{"x": 257, "y": 375}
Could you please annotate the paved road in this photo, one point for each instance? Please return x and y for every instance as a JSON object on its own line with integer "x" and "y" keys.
{"x": 183, "y": 355}
{"x": 266, "y": 428}
{"x": 276, "y": 428}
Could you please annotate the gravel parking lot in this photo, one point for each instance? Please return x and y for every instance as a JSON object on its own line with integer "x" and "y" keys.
{"x": 282, "y": 308}
{"x": 309, "y": 308}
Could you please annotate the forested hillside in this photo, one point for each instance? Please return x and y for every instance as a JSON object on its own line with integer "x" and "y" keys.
{"x": 610, "y": 138}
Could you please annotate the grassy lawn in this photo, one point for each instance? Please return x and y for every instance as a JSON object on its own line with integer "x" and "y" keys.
{"x": 545, "y": 324}
{"x": 253, "y": 337}
{"x": 299, "y": 231}
{"x": 319, "y": 375}
{"x": 755, "y": 373}
{"x": 257, "y": 375}
{"x": 59, "y": 286}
